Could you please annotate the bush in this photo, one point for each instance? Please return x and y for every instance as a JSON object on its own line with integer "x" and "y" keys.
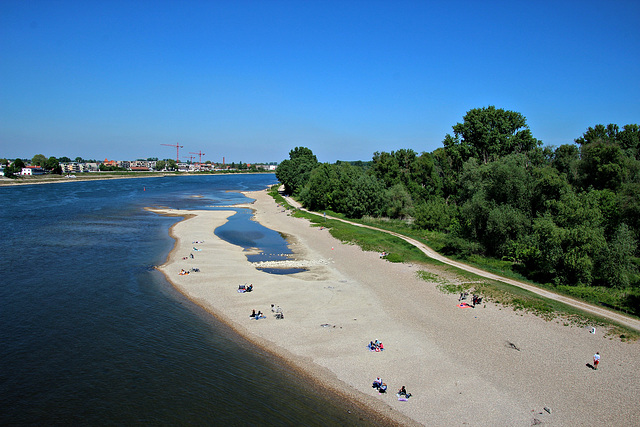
{"x": 394, "y": 257}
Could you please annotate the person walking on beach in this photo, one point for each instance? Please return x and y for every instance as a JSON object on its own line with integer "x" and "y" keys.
{"x": 596, "y": 360}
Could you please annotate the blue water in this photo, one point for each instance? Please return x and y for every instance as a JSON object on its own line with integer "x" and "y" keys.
{"x": 261, "y": 243}
{"x": 91, "y": 334}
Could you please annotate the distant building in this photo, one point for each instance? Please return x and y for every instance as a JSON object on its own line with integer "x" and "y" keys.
{"x": 149, "y": 164}
{"x": 266, "y": 167}
{"x": 72, "y": 167}
{"x": 91, "y": 167}
{"x": 32, "y": 170}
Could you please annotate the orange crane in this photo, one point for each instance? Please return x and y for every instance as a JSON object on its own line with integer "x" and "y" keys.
{"x": 199, "y": 153}
{"x": 178, "y": 147}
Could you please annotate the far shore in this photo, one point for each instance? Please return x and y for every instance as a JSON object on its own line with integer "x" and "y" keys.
{"x": 475, "y": 366}
{"x": 101, "y": 176}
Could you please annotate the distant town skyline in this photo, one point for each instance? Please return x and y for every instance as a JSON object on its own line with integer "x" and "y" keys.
{"x": 249, "y": 81}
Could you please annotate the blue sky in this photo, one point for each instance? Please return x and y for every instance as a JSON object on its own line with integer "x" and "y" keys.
{"x": 251, "y": 80}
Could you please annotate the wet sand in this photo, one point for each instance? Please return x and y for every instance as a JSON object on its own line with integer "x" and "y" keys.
{"x": 483, "y": 366}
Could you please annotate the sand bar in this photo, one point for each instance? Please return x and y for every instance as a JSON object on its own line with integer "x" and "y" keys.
{"x": 483, "y": 366}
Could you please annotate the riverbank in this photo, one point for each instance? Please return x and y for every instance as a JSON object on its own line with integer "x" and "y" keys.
{"x": 482, "y": 366}
{"x": 58, "y": 179}
{"x": 100, "y": 176}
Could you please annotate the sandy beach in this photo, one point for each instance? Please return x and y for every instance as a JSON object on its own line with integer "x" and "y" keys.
{"x": 488, "y": 366}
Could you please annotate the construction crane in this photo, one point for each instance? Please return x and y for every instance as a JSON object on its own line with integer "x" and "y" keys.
{"x": 178, "y": 147}
{"x": 199, "y": 153}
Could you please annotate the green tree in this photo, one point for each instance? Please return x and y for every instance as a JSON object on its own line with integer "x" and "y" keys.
{"x": 79, "y": 160}
{"x": 565, "y": 160}
{"x": 548, "y": 185}
{"x": 616, "y": 264}
{"x": 629, "y": 140}
{"x": 628, "y": 206}
{"x": 171, "y": 164}
{"x": 364, "y": 197}
{"x": 434, "y": 214}
{"x": 399, "y": 202}
{"x": 53, "y": 165}
{"x": 18, "y": 164}
{"x": 318, "y": 193}
{"x": 444, "y": 169}
{"x": 602, "y": 165}
{"x": 599, "y": 133}
{"x": 64, "y": 159}
{"x": 417, "y": 174}
{"x": 160, "y": 165}
{"x": 39, "y": 160}
{"x": 295, "y": 172}
{"x": 487, "y": 134}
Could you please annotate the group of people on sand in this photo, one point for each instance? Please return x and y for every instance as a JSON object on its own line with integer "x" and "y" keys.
{"x": 476, "y": 299}
{"x": 257, "y": 316}
{"x": 277, "y": 313}
{"x": 244, "y": 288}
{"x": 183, "y": 272}
{"x": 382, "y": 388}
{"x": 376, "y": 346}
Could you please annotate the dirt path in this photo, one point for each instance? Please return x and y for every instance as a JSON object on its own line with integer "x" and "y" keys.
{"x": 607, "y": 314}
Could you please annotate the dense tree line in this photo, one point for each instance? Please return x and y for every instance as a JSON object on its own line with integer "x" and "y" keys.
{"x": 564, "y": 215}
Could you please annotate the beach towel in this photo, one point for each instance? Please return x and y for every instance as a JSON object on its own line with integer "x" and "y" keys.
{"x": 464, "y": 305}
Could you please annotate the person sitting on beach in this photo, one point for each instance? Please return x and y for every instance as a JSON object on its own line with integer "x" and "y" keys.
{"x": 380, "y": 346}
{"x": 403, "y": 392}
{"x": 377, "y": 383}
{"x": 182, "y": 272}
{"x": 253, "y": 314}
{"x": 249, "y": 288}
{"x": 259, "y": 315}
{"x": 383, "y": 388}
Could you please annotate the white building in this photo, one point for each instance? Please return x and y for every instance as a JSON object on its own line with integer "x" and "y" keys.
{"x": 32, "y": 170}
